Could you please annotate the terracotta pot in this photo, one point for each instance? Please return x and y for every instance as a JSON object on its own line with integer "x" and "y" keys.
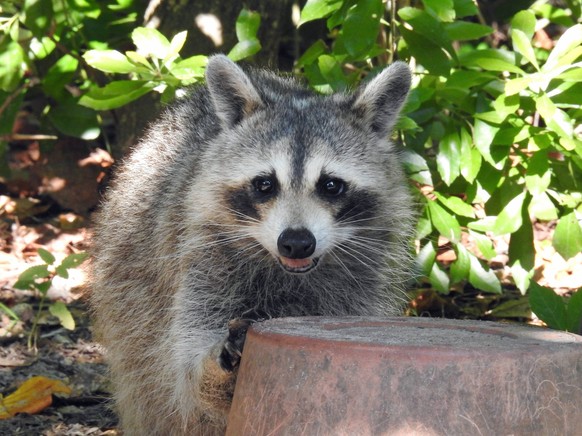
{"x": 391, "y": 376}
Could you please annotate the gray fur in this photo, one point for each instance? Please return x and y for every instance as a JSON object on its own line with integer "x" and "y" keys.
{"x": 174, "y": 263}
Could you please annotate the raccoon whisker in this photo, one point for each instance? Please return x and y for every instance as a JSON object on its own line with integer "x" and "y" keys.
{"x": 380, "y": 244}
{"x": 345, "y": 250}
{"x": 373, "y": 262}
{"x": 218, "y": 242}
{"x": 373, "y": 229}
{"x": 346, "y": 216}
{"x": 248, "y": 248}
{"x": 350, "y": 219}
{"x": 379, "y": 250}
{"x": 247, "y": 218}
{"x": 343, "y": 265}
{"x": 373, "y": 241}
{"x": 237, "y": 226}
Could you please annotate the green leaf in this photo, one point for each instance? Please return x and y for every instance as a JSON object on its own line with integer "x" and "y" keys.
{"x": 506, "y": 105}
{"x": 429, "y": 54}
{"x": 556, "y": 119}
{"x": 247, "y": 25}
{"x": 11, "y": 65}
{"x": 46, "y": 256}
{"x": 470, "y": 157}
{"x": 43, "y": 287}
{"x": 110, "y": 61}
{"x": 331, "y": 70}
{"x": 445, "y": 223}
{"x": 74, "y": 260}
{"x": 316, "y": 9}
{"x": 525, "y": 21}
{"x": 512, "y": 309}
{"x": 456, "y": 205}
{"x": 468, "y": 79}
{"x": 443, "y": 9}
{"x": 515, "y": 86}
{"x": 521, "y": 244}
{"x": 521, "y": 276}
{"x": 542, "y": 208}
{"x": 423, "y": 228}
{"x": 60, "y": 310}
{"x": 416, "y": 167}
{"x": 426, "y": 257}
{"x": 482, "y": 278}
{"x": 116, "y": 94}
{"x": 574, "y": 312}
{"x": 59, "y": 75}
{"x": 75, "y": 120}
{"x": 510, "y": 218}
{"x": 492, "y": 117}
{"x": 40, "y": 48}
{"x": 466, "y": 31}
{"x": 361, "y": 26}
{"x": 37, "y": 16}
{"x": 449, "y": 158}
{"x": 484, "y": 245}
{"x": 427, "y": 26}
{"x": 465, "y": 8}
{"x": 548, "y": 306}
{"x": 439, "y": 279}
{"x": 150, "y": 42}
{"x": 538, "y": 175}
{"x": 567, "y": 42}
{"x": 491, "y": 60}
{"x": 312, "y": 53}
{"x": 177, "y": 43}
{"x": 523, "y": 45}
{"x": 138, "y": 59}
{"x": 461, "y": 266}
{"x": 9, "y": 312}
{"x": 189, "y": 69}
{"x": 483, "y": 134}
{"x": 27, "y": 278}
{"x": 568, "y": 236}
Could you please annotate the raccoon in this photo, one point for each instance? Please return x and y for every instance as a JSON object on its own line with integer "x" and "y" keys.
{"x": 252, "y": 197}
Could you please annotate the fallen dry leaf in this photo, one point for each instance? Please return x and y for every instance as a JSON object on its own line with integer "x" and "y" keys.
{"x": 34, "y": 395}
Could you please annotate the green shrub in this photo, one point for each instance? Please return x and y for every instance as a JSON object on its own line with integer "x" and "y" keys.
{"x": 491, "y": 131}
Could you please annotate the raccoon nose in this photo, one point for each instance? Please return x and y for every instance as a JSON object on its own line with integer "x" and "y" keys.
{"x": 296, "y": 243}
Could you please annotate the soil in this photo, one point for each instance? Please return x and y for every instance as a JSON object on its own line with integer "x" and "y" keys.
{"x": 69, "y": 356}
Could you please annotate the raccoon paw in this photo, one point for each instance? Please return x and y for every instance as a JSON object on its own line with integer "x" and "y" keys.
{"x": 232, "y": 347}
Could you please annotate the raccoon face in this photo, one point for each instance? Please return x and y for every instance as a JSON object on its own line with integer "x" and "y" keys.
{"x": 303, "y": 171}
{"x": 300, "y": 215}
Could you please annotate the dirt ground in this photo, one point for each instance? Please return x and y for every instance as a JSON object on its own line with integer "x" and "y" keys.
{"x": 69, "y": 356}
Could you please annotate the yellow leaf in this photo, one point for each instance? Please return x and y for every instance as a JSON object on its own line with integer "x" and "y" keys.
{"x": 34, "y": 395}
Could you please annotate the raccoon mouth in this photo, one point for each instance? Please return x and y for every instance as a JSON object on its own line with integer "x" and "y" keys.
{"x": 297, "y": 265}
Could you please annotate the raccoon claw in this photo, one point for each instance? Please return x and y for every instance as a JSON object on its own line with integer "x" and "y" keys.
{"x": 229, "y": 357}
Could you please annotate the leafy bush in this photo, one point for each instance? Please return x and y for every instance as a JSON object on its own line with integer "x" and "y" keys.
{"x": 156, "y": 64}
{"x": 41, "y": 47}
{"x": 40, "y": 278}
{"x": 491, "y": 129}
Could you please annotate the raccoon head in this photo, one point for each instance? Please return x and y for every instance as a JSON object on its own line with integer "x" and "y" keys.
{"x": 301, "y": 173}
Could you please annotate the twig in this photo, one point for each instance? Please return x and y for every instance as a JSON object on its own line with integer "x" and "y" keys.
{"x": 32, "y": 82}
{"x": 26, "y": 137}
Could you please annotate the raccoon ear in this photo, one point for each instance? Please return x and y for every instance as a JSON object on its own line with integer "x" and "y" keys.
{"x": 233, "y": 95}
{"x": 379, "y": 101}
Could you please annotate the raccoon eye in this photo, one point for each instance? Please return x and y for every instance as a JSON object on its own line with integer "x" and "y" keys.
{"x": 333, "y": 187}
{"x": 264, "y": 185}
